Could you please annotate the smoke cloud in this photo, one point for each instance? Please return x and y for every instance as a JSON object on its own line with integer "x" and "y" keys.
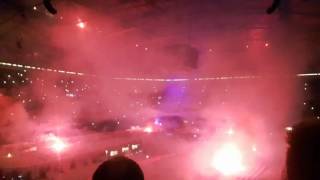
{"x": 156, "y": 39}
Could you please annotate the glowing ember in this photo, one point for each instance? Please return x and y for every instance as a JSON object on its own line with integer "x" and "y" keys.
{"x": 148, "y": 129}
{"x": 228, "y": 160}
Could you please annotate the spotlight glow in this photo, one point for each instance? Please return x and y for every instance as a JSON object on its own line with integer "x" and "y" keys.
{"x": 228, "y": 160}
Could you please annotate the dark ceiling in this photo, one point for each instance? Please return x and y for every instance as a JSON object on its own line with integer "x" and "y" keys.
{"x": 19, "y": 29}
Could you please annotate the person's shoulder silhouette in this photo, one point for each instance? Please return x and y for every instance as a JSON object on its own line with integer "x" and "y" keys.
{"x": 118, "y": 168}
{"x": 303, "y": 155}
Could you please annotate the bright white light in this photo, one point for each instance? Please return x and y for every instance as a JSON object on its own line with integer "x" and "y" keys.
{"x": 289, "y": 128}
{"x": 148, "y": 129}
{"x": 125, "y": 149}
{"x": 81, "y": 25}
{"x": 56, "y": 144}
{"x": 228, "y": 160}
{"x": 113, "y": 153}
{"x": 39, "y": 68}
{"x": 134, "y": 146}
{"x": 9, "y": 155}
{"x": 70, "y": 95}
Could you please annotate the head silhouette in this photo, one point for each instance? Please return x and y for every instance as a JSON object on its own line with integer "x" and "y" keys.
{"x": 118, "y": 168}
{"x": 303, "y": 155}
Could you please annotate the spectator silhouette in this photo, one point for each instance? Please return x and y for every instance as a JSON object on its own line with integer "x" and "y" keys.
{"x": 118, "y": 168}
{"x": 303, "y": 155}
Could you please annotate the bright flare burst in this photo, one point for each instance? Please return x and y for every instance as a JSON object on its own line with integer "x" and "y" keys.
{"x": 56, "y": 144}
{"x": 228, "y": 160}
{"x": 81, "y": 25}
